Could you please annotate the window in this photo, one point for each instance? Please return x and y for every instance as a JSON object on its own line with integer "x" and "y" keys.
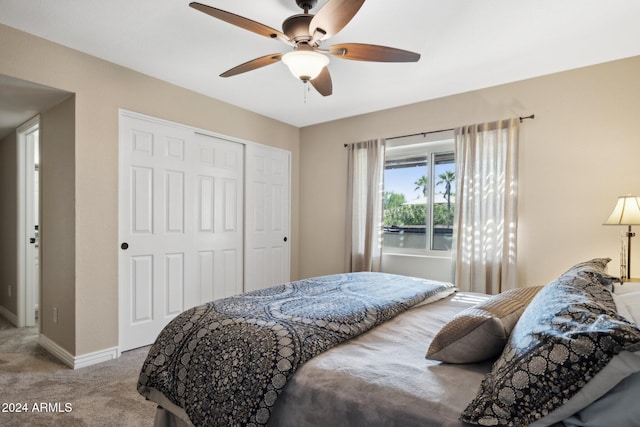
{"x": 419, "y": 194}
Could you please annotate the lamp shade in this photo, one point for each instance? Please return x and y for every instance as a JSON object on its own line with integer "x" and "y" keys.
{"x": 626, "y": 212}
{"x": 305, "y": 64}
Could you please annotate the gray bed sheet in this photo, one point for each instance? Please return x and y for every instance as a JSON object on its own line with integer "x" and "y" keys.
{"x": 382, "y": 378}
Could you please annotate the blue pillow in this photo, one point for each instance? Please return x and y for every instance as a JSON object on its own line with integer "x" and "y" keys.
{"x": 569, "y": 332}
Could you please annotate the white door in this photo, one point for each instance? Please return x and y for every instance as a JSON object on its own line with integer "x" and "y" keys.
{"x": 33, "y": 221}
{"x": 219, "y": 225}
{"x": 181, "y": 234}
{"x": 267, "y": 206}
{"x": 28, "y": 136}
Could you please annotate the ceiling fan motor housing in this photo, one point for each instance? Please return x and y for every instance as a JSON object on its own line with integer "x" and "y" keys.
{"x": 296, "y": 27}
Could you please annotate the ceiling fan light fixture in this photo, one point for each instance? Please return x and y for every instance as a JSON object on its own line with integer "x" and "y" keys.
{"x": 305, "y": 64}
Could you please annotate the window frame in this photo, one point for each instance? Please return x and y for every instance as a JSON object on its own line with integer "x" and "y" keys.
{"x": 427, "y": 145}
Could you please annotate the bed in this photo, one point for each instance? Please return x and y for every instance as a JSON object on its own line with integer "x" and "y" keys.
{"x": 367, "y": 366}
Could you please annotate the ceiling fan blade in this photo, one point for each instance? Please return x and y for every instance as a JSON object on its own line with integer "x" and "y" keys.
{"x": 371, "y": 52}
{"x": 322, "y": 83}
{"x": 333, "y": 17}
{"x": 240, "y": 21}
{"x": 253, "y": 64}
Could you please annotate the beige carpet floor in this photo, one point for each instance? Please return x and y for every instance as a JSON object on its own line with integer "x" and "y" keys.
{"x": 100, "y": 395}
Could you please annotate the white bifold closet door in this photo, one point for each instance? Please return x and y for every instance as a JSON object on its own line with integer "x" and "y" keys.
{"x": 181, "y": 223}
{"x": 267, "y": 247}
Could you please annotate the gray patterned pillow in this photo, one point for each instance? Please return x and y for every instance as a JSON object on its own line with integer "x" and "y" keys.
{"x": 566, "y": 335}
{"x": 480, "y": 332}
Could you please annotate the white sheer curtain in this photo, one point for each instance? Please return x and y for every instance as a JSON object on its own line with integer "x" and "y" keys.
{"x": 486, "y": 206}
{"x": 364, "y": 205}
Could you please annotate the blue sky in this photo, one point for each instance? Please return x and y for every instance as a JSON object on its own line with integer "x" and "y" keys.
{"x": 403, "y": 180}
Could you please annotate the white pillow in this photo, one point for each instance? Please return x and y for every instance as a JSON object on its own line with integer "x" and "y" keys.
{"x": 619, "y": 407}
{"x": 620, "y": 367}
{"x": 628, "y": 306}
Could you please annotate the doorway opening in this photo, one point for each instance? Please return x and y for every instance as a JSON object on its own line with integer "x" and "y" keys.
{"x": 28, "y": 140}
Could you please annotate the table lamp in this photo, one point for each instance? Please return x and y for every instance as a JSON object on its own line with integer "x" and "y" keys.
{"x": 626, "y": 212}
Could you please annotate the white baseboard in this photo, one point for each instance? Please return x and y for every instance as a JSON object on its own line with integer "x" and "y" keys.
{"x": 9, "y": 316}
{"x": 63, "y": 355}
{"x": 95, "y": 357}
{"x": 77, "y": 362}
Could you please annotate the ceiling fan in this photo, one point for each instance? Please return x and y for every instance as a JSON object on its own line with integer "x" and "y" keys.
{"x": 305, "y": 32}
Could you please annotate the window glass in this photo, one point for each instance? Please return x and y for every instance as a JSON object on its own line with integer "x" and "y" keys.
{"x": 419, "y": 199}
{"x": 443, "y": 201}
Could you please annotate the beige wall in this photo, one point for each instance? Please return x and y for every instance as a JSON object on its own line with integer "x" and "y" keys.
{"x": 58, "y": 224}
{"x": 8, "y": 224}
{"x": 578, "y": 154}
{"x": 581, "y": 152}
{"x": 101, "y": 88}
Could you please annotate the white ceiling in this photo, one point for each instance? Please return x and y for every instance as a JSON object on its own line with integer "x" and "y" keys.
{"x": 465, "y": 45}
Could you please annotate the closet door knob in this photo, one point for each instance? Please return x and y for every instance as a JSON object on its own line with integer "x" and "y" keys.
{"x": 124, "y": 246}
{"x": 285, "y": 238}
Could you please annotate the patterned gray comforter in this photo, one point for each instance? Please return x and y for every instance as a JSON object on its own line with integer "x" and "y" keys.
{"x": 226, "y": 362}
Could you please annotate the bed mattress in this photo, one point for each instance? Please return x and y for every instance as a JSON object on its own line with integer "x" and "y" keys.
{"x": 379, "y": 378}
{"x": 228, "y": 361}
{"x": 382, "y": 378}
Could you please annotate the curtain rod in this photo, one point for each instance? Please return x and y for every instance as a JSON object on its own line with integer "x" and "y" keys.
{"x": 521, "y": 118}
